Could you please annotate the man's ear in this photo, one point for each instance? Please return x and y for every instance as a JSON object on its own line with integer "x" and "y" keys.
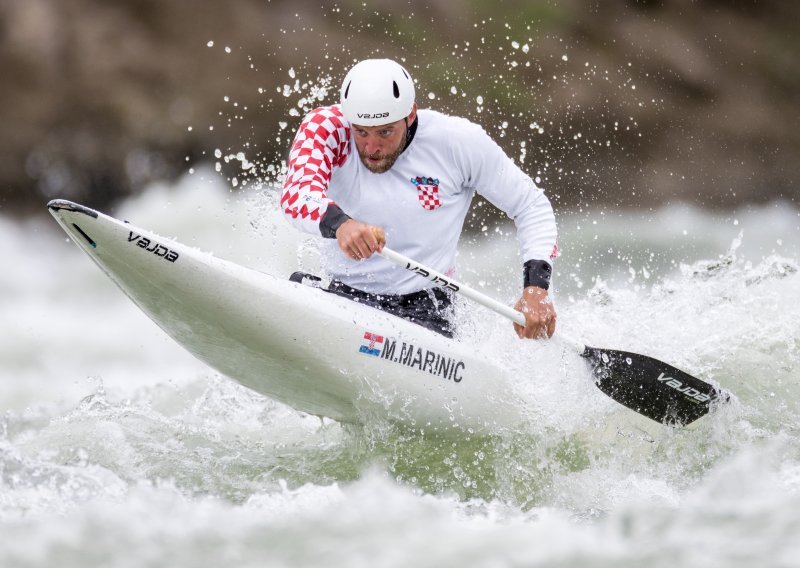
{"x": 413, "y": 116}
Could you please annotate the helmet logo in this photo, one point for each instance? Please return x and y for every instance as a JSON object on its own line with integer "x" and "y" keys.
{"x": 376, "y": 115}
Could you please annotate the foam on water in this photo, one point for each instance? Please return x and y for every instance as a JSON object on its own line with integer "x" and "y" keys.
{"x": 118, "y": 449}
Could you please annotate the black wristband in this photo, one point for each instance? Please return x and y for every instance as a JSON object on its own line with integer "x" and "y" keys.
{"x": 537, "y": 273}
{"x": 332, "y": 220}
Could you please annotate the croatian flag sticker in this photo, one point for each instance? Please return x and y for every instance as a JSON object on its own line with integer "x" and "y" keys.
{"x": 372, "y": 344}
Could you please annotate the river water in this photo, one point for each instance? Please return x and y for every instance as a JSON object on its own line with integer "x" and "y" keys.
{"x": 117, "y": 448}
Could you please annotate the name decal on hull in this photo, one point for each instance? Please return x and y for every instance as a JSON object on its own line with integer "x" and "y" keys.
{"x": 416, "y": 357}
{"x": 152, "y": 246}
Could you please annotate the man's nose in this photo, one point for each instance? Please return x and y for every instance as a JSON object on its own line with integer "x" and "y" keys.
{"x": 372, "y": 145}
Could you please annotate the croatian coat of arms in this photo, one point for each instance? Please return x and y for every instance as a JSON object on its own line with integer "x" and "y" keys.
{"x": 428, "y": 192}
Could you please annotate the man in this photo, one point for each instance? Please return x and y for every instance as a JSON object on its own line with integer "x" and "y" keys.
{"x": 376, "y": 165}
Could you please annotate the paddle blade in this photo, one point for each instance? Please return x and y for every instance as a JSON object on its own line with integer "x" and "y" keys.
{"x": 651, "y": 387}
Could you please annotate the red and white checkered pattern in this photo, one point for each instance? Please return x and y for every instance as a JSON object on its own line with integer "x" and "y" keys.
{"x": 429, "y": 196}
{"x": 321, "y": 143}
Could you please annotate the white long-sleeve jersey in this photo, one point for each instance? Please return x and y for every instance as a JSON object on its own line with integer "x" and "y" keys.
{"x": 421, "y": 202}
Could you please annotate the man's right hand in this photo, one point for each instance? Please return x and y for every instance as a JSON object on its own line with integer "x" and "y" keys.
{"x": 359, "y": 240}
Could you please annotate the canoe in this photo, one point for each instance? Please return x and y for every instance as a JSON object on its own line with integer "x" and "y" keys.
{"x": 316, "y": 352}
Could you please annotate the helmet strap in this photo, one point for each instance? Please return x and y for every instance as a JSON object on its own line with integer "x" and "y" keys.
{"x": 410, "y": 131}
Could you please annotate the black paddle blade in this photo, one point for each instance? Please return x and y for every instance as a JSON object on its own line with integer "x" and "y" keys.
{"x": 651, "y": 387}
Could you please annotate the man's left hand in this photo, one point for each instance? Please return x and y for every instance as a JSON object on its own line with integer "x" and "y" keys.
{"x": 540, "y": 315}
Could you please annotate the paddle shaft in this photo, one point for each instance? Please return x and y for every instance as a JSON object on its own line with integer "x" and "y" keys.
{"x": 450, "y": 284}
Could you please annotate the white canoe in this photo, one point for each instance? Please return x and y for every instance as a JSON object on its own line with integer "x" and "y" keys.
{"x": 314, "y": 351}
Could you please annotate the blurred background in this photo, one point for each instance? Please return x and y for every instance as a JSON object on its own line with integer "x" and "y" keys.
{"x": 621, "y": 103}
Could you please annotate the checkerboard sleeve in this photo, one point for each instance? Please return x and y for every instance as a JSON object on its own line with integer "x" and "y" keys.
{"x": 321, "y": 144}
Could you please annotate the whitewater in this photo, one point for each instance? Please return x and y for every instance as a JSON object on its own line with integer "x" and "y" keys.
{"x": 117, "y": 448}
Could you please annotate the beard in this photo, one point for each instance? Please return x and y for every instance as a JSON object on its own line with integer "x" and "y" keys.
{"x": 380, "y": 163}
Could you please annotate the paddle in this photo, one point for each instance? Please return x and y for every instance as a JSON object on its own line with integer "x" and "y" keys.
{"x": 643, "y": 384}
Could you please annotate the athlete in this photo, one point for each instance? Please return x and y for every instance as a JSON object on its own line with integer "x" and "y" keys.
{"x": 374, "y": 167}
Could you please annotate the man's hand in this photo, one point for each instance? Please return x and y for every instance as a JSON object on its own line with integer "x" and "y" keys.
{"x": 540, "y": 315}
{"x": 359, "y": 240}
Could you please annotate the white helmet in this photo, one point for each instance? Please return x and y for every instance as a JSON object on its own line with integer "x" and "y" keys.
{"x": 377, "y": 91}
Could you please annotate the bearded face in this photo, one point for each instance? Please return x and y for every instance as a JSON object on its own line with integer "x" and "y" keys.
{"x": 380, "y": 146}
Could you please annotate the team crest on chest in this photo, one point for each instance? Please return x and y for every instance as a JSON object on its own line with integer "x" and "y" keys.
{"x": 428, "y": 192}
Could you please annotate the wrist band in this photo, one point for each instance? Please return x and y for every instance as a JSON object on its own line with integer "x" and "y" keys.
{"x": 332, "y": 220}
{"x": 537, "y": 273}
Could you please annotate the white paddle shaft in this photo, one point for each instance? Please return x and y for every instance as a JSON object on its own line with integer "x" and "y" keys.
{"x": 449, "y": 284}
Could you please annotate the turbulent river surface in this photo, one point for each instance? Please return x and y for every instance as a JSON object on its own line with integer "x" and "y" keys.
{"x": 117, "y": 448}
